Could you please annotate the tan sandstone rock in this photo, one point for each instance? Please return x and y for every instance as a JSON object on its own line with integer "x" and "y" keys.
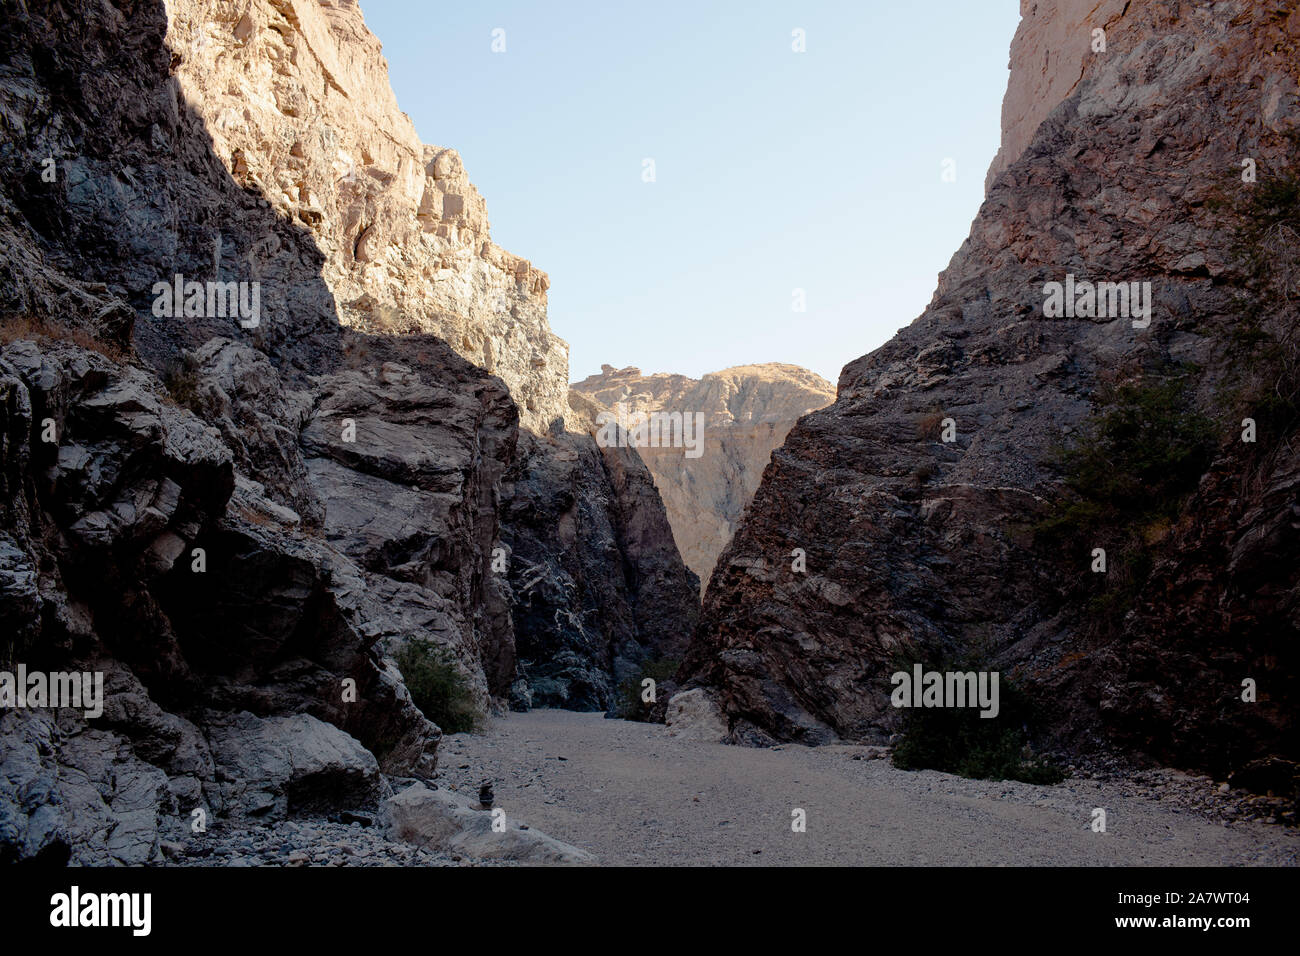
{"x": 1048, "y": 55}
{"x": 296, "y": 98}
{"x": 747, "y": 412}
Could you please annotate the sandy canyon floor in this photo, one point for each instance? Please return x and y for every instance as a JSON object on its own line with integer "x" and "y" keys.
{"x": 630, "y": 794}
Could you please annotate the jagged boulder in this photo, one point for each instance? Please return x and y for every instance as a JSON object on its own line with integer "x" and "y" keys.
{"x": 236, "y": 389}
{"x": 74, "y": 794}
{"x": 272, "y": 767}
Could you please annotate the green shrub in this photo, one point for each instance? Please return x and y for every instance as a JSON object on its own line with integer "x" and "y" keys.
{"x": 627, "y": 700}
{"x": 958, "y": 740}
{"x": 1139, "y": 455}
{"x": 438, "y": 687}
{"x": 1135, "y": 462}
{"x": 181, "y": 378}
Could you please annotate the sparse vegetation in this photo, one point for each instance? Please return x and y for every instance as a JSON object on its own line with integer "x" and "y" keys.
{"x": 181, "y": 379}
{"x": 1264, "y": 340}
{"x": 438, "y": 687}
{"x": 923, "y": 473}
{"x": 1143, "y": 452}
{"x": 17, "y": 328}
{"x": 1128, "y": 474}
{"x": 958, "y": 740}
{"x": 628, "y": 703}
{"x": 928, "y": 426}
{"x": 1137, "y": 458}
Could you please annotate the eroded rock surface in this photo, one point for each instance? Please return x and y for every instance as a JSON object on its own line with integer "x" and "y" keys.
{"x": 453, "y": 823}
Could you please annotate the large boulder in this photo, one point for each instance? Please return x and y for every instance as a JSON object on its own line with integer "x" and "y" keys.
{"x": 695, "y": 715}
{"x": 277, "y": 766}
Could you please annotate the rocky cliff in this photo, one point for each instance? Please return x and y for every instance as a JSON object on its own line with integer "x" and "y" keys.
{"x": 598, "y": 584}
{"x": 747, "y": 412}
{"x": 1049, "y": 55}
{"x": 274, "y": 408}
{"x": 923, "y": 495}
{"x": 294, "y": 95}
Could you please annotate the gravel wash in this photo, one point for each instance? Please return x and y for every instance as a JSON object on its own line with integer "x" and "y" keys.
{"x": 632, "y": 795}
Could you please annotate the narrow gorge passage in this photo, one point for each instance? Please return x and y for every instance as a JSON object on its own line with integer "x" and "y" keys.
{"x": 633, "y": 795}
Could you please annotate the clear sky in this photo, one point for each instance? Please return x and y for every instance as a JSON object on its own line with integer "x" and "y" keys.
{"x": 774, "y": 170}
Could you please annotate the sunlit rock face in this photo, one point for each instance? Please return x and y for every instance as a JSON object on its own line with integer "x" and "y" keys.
{"x": 747, "y": 412}
{"x": 296, "y": 98}
{"x": 1049, "y": 55}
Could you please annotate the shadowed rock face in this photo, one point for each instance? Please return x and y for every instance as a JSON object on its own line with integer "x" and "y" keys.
{"x": 917, "y": 547}
{"x": 748, "y": 410}
{"x": 156, "y": 563}
{"x": 240, "y": 549}
{"x": 597, "y": 582}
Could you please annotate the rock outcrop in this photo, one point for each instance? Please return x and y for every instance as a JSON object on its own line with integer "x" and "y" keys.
{"x": 153, "y": 562}
{"x": 921, "y": 548}
{"x": 295, "y": 97}
{"x": 748, "y": 410}
{"x": 239, "y": 510}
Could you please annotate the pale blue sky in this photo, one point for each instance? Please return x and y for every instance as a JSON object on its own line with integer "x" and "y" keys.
{"x": 775, "y": 170}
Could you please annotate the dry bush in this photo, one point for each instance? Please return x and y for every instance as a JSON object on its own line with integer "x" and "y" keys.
{"x": 27, "y": 327}
{"x": 928, "y": 425}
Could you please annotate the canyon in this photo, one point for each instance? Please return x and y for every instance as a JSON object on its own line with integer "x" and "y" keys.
{"x": 243, "y": 525}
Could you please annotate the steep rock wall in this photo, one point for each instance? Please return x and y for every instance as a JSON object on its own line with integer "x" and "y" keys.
{"x": 919, "y": 548}
{"x": 1049, "y": 54}
{"x": 296, "y": 98}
